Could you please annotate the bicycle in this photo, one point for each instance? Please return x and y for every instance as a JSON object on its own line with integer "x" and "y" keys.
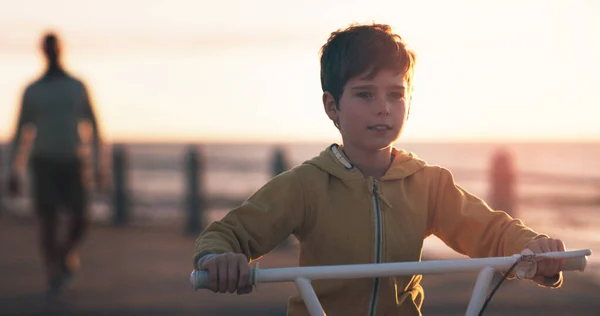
{"x": 524, "y": 266}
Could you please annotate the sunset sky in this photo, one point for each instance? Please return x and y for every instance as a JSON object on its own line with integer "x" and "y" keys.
{"x": 248, "y": 70}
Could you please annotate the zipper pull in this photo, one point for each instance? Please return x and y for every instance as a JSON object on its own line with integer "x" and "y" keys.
{"x": 370, "y": 185}
{"x": 378, "y": 194}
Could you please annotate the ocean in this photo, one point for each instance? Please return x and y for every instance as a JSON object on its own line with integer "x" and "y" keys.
{"x": 558, "y": 184}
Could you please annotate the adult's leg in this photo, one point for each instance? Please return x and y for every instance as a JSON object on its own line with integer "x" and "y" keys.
{"x": 74, "y": 196}
{"x": 46, "y": 208}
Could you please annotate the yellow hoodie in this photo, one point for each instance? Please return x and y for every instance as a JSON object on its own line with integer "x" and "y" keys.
{"x": 341, "y": 217}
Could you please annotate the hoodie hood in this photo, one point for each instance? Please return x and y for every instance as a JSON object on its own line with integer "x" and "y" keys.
{"x": 333, "y": 161}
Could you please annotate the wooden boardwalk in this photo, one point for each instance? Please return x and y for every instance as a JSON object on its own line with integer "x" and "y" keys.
{"x": 145, "y": 271}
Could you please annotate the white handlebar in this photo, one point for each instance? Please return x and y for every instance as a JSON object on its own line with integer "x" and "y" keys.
{"x": 576, "y": 264}
{"x": 576, "y": 261}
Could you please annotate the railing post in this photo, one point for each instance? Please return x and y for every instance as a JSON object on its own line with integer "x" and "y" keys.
{"x": 279, "y": 162}
{"x": 502, "y": 183}
{"x": 120, "y": 185}
{"x": 195, "y": 197}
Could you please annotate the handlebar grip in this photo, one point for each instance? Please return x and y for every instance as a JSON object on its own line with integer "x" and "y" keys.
{"x": 575, "y": 264}
{"x": 199, "y": 280}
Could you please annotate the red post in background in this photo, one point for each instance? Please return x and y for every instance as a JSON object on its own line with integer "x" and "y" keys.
{"x": 503, "y": 195}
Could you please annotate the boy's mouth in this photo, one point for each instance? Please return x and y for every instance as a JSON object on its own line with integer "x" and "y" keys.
{"x": 379, "y": 127}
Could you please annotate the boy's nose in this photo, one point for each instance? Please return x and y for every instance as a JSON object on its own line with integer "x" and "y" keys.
{"x": 383, "y": 108}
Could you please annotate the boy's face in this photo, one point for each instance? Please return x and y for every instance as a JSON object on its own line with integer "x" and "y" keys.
{"x": 372, "y": 111}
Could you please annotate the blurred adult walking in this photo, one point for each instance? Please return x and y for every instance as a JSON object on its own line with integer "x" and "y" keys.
{"x": 57, "y": 106}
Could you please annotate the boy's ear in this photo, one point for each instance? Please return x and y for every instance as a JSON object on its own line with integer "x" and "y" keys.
{"x": 330, "y": 106}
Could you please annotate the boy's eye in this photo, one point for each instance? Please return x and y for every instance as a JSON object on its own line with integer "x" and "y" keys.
{"x": 397, "y": 95}
{"x": 364, "y": 95}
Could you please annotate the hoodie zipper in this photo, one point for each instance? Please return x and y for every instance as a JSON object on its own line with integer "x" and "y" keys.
{"x": 378, "y": 237}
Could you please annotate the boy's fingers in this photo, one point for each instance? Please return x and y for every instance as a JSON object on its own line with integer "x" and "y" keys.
{"x": 545, "y": 247}
{"x": 208, "y": 264}
{"x": 556, "y": 263}
{"x": 541, "y": 267}
{"x": 245, "y": 290}
{"x": 244, "y": 275}
{"x": 232, "y": 269}
{"x": 547, "y": 264}
{"x": 214, "y": 279}
{"x": 548, "y": 267}
{"x": 551, "y": 267}
{"x": 553, "y": 245}
{"x": 213, "y": 275}
{"x": 534, "y": 247}
{"x": 223, "y": 275}
{"x": 561, "y": 245}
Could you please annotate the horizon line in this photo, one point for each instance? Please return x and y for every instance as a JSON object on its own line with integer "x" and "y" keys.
{"x": 240, "y": 141}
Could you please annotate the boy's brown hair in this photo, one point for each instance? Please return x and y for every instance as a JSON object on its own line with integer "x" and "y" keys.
{"x": 360, "y": 48}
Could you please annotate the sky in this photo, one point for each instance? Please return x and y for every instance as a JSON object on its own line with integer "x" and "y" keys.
{"x": 248, "y": 70}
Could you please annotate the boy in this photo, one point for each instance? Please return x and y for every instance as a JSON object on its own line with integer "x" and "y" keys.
{"x": 364, "y": 201}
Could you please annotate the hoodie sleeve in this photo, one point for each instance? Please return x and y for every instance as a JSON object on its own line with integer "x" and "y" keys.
{"x": 260, "y": 223}
{"x": 469, "y": 226}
